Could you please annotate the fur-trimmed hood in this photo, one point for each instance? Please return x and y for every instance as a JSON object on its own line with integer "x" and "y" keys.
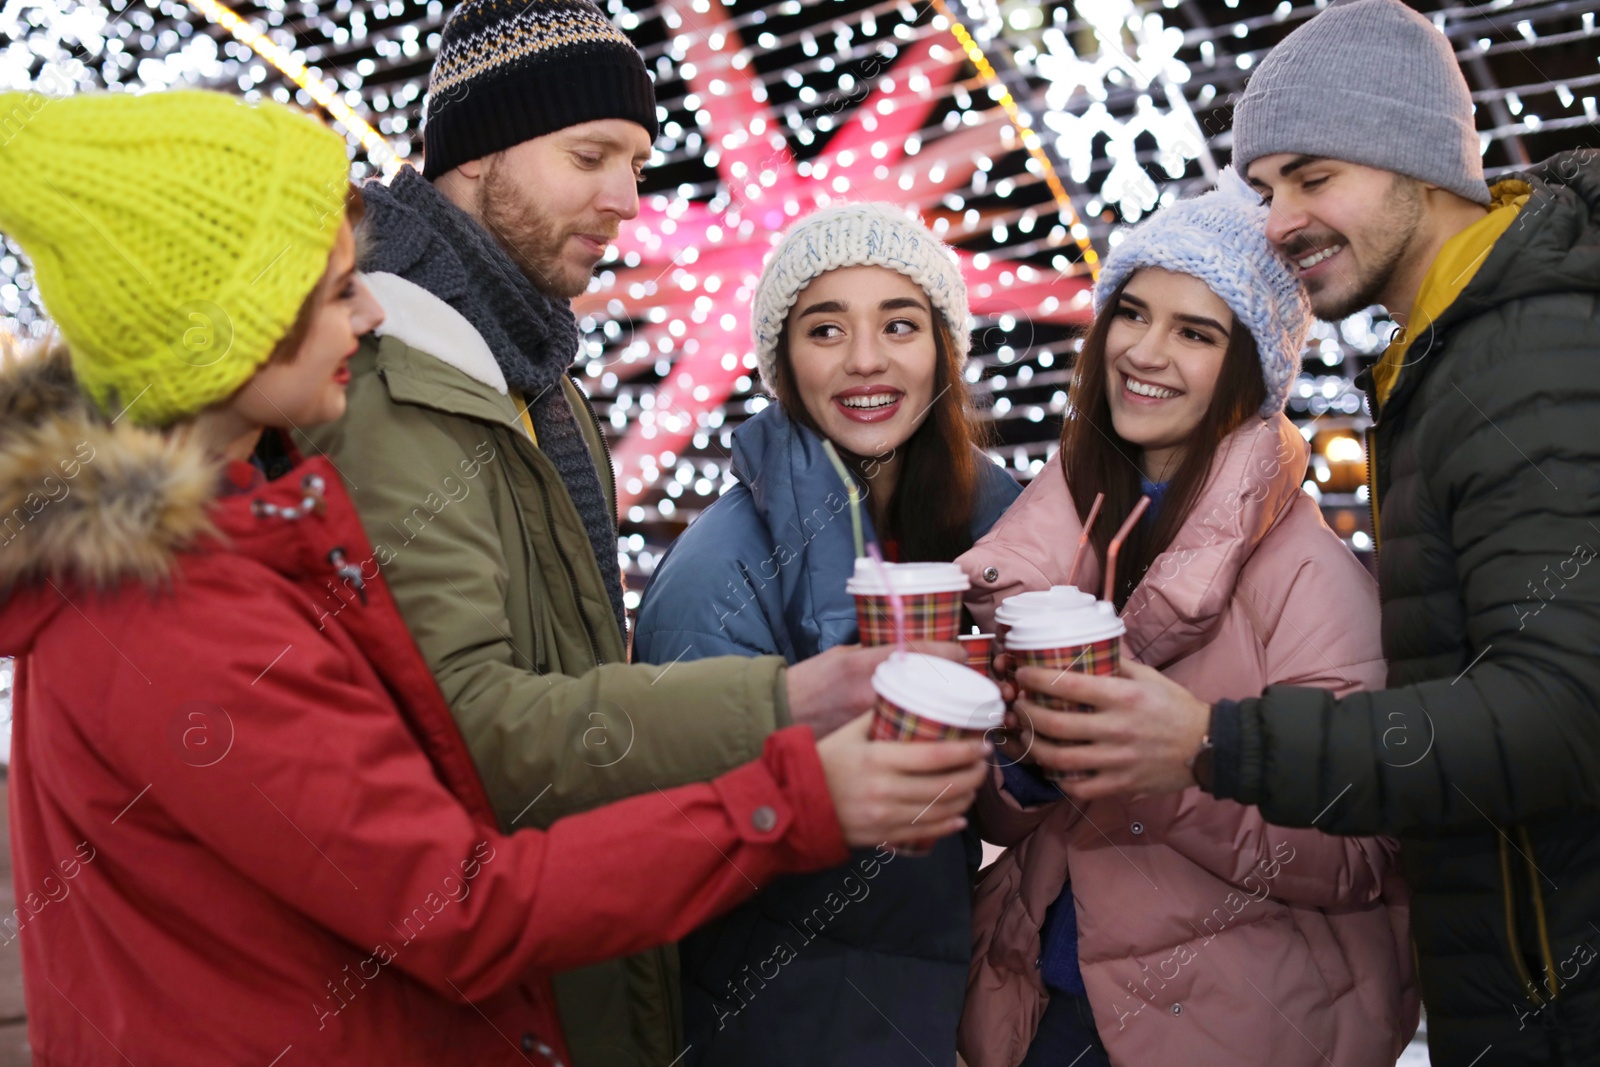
{"x": 84, "y": 502}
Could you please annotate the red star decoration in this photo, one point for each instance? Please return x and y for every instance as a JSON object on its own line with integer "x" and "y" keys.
{"x": 697, "y": 269}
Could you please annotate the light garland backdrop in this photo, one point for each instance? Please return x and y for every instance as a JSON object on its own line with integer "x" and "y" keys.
{"x": 1026, "y": 135}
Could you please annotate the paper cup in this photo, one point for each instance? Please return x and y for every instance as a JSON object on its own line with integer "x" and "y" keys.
{"x": 1035, "y": 604}
{"x": 927, "y": 698}
{"x": 1087, "y": 640}
{"x": 930, "y": 597}
{"x": 980, "y": 652}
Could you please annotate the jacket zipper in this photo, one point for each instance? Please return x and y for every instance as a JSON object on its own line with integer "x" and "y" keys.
{"x": 611, "y": 478}
{"x": 1372, "y": 487}
{"x": 1517, "y": 962}
{"x": 566, "y": 563}
{"x": 1539, "y": 916}
{"x": 605, "y": 449}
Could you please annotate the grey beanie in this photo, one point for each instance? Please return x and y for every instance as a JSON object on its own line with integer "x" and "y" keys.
{"x": 1370, "y": 82}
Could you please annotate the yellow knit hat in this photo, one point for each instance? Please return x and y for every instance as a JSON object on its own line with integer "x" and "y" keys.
{"x": 174, "y": 236}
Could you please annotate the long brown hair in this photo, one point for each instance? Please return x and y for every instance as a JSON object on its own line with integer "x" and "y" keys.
{"x": 1096, "y": 459}
{"x": 930, "y": 514}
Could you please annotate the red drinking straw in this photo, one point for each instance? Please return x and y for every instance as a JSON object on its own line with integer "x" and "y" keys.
{"x": 1083, "y": 538}
{"x": 1116, "y": 546}
{"x": 896, "y": 605}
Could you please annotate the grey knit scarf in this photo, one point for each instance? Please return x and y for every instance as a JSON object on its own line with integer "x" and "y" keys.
{"x": 412, "y": 230}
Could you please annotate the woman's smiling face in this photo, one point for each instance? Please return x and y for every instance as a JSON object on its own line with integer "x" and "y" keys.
{"x": 862, "y": 355}
{"x": 1164, "y": 353}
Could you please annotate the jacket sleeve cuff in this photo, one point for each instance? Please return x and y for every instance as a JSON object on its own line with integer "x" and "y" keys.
{"x": 1224, "y": 732}
{"x": 1238, "y": 760}
{"x": 783, "y": 798}
{"x": 781, "y": 719}
{"x": 1027, "y": 787}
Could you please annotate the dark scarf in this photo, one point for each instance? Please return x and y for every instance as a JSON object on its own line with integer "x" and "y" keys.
{"x": 415, "y": 232}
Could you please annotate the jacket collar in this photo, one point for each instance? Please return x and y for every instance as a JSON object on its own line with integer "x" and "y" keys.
{"x": 83, "y": 503}
{"x": 1553, "y": 246}
{"x": 428, "y": 324}
{"x": 1452, "y": 271}
{"x": 805, "y": 509}
{"x": 1254, "y": 478}
{"x": 109, "y": 504}
{"x": 429, "y": 355}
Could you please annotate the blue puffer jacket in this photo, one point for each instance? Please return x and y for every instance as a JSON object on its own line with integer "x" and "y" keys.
{"x": 865, "y": 964}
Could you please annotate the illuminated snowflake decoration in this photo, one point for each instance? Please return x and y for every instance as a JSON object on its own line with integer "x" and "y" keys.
{"x": 1151, "y": 62}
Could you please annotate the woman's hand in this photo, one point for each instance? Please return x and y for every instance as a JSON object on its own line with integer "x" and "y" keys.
{"x": 899, "y": 791}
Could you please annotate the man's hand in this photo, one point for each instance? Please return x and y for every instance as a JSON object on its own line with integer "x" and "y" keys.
{"x": 833, "y": 687}
{"x": 1139, "y": 740}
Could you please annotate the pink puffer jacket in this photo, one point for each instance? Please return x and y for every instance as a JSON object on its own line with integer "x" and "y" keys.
{"x": 1206, "y": 936}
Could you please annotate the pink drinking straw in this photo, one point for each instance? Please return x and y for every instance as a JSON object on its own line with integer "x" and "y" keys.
{"x": 896, "y": 606}
{"x": 1116, "y": 546}
{"x": 1083, "y": 538}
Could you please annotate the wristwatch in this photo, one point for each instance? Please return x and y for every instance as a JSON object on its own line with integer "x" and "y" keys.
{"x": 1199, "y": 764}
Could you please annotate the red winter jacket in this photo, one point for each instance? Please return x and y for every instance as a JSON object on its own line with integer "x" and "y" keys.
{"x": 244, "y": 826}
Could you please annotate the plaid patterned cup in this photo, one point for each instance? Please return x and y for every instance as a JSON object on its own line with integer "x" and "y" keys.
{"x": 929, "y": 617}
{"x": 980, "y": 652}
{"x": 1098, "y": 657}
{"x": 890, "y": 722}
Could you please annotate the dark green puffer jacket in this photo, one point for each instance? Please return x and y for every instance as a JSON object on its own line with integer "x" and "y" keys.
{"x": 1483, "y": 756}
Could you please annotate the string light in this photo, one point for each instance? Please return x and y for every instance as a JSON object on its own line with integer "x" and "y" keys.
{"x": 672, "y": 302}
{"x": 1030, "y": 140}
{"x": 378, "y": 150}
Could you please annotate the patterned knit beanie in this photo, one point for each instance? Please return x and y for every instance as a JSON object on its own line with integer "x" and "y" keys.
{"x": 1370, "y": 82}
{"x": 856, "y": 235}
{"x": 174, "y": 236}
{"x": 1220, "y": 237}
{"x": 512, "y": 70}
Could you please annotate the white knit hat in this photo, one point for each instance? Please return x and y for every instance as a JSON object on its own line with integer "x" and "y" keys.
{"x": 1220, "y": 237}
{"x": 856, "y": 235}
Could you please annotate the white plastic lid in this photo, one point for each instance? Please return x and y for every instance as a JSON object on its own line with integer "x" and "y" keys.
{"x": 939, "y": 689}
{"x": 909, "y": 579}
{"x": 1084, "y": 625}
{"x": 1057, "y": 598}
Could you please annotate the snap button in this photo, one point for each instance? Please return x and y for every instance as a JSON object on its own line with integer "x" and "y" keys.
{"x": 991, "y": 574}
{"x": 528, "y": 1042}
{"x": 764, "y": 819}
{"x": 1177, "y": 1009}
{"x": 1137, "y": 827}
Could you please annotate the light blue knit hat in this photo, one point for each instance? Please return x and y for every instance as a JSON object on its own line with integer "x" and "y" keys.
{"x": 1220, "y": 237}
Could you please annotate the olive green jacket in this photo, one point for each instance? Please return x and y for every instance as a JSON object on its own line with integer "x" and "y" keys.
{"x": 494, "y": 574}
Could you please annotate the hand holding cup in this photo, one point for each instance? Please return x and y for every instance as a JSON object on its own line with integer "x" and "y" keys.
{"x": 923, "y": 700}
{"x": 834, "y": 687}
{"x": 1145, "y": 730}
{"x": 898, "y": 793}
{"x": 1083, "y": 637}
